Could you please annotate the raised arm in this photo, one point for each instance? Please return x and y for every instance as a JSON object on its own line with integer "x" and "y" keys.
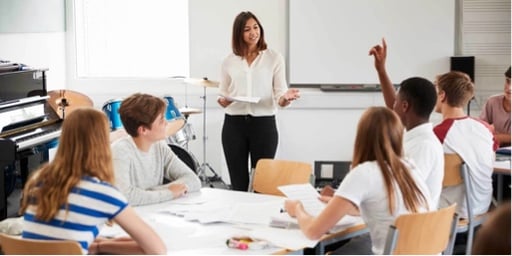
{"x": 379, "y": 53}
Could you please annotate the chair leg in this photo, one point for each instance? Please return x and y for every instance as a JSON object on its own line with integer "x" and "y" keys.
{"x": 469, "y": 242}
{"x": 453, "y": 234}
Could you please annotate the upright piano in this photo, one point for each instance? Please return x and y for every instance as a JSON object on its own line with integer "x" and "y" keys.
{"x": 27, "y": 122}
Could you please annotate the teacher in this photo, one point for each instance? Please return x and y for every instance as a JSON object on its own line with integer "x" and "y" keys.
{"x": 256, "y": 73}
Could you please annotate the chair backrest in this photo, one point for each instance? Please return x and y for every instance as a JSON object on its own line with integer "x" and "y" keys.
{"x": 457, "y": 172}
{"x": 452, "y": 165}
{"x": 422, "y": 233}
{"x": 17, "y": 245}
{"x": 271, "y": 173}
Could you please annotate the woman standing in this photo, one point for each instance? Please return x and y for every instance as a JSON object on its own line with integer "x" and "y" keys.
{"x": 251, "y": 70}
{"x": 71, "y": 197}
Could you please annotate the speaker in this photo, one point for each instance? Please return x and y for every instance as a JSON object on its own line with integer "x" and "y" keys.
{"x": 464, "y": 64}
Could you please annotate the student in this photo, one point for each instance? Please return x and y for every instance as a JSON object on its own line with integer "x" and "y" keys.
{"x": 71, "y": 197}
{"x": 381, "y": 185}
{"x": 143, "y": 159}
{"x": 414, "y": 103}
{"x": 251, "y": 70}
{"x": 496, "y": 112}
{"x": 467, "y": 137}
{"x": 493, "y": 238}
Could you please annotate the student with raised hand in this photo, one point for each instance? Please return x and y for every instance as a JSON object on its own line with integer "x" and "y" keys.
{"x": 252, "y": 70}
{"x": 414, "y": 103}
{"x": 143, "y": 159}
{"x": 381, "y": 185}
{"x": 470, "y": 138}
{"x": 72, "y": 196}
{"x": 496, "y": 112}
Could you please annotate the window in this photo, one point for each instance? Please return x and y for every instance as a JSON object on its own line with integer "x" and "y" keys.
{"x": 131, "y": 38}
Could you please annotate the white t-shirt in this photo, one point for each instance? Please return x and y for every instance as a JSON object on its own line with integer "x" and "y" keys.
{"x": 473, "y": 141}
{"x": 264, "y": 78}
{"x": 364, "y": 186}
{"x": 422, "y": 146}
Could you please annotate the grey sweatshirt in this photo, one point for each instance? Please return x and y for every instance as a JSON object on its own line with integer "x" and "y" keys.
{"x": 139, "y": 175}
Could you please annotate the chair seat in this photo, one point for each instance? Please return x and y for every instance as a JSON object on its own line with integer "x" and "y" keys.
{"x": 463, "y": 224}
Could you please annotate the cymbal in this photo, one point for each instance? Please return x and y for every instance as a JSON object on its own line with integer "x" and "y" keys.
{"x": 69, "y": 100}
{"x": 201, "y": 82}
{"x": 189, "y": 111}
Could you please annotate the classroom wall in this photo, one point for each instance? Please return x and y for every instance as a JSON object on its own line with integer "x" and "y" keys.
{"x": 319, "y": 126}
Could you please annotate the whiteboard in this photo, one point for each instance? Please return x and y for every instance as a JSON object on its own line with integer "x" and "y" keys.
{"x": 329, "y": 40}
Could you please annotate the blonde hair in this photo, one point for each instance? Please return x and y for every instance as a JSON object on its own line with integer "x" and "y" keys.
{"x": 84, "y": 150}
{"x": 457, "y": 86}
{"x": 379, "y": 138}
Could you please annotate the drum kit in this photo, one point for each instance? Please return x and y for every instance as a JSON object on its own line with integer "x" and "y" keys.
{"x": 179, "y": 131}
{"x": 66, "y": 101}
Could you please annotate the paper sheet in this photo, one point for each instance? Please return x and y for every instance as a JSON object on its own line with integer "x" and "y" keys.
{"x": 243, "y": 99}
{"x": 305, "y": 193}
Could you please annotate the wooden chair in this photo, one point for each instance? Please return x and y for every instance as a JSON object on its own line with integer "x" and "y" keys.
{"x": 17, "y": 245}
{"x": 270, "y": 174}
{"x": 456, "y": 172}
{"x": 422, "y": 233}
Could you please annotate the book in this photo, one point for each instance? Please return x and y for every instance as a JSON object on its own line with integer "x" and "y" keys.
{"x": 503, "y": 150}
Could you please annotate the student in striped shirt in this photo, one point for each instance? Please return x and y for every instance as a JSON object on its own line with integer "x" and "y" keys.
{"x": 73, "y": 196}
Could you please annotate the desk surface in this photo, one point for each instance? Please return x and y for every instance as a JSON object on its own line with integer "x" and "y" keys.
{"x": 502, "y": 167}
{"x": 240, "y": 219}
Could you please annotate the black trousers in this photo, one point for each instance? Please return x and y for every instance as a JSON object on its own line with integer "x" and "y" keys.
{"x": 244, "y": 136}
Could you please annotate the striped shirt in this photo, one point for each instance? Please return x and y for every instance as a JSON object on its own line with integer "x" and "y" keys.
{"x": 91, "y": 203}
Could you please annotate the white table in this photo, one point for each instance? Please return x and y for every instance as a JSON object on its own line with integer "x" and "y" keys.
{"x": 191, "y": 237}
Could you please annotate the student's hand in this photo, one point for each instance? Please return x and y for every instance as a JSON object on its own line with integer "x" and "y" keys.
{"x": 223, "y": 101}
{"x": 327, "y": 191}
{"x": 379, "y": 53}
{"x": 325, "y": 199}
{"x": 178, "y": 189}
{"x": 290, "y": 206}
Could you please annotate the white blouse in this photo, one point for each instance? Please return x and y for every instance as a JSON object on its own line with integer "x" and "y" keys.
{"x": 264, "y": 78}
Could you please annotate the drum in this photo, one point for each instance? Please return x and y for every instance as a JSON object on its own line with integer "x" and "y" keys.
{"x": 111, "y": 109}
{"x": 183, "y": 136}
{"x": 185, "y": 156}
{"x": 175, "y": 121}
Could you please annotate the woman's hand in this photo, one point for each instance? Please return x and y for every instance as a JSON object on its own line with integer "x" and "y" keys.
{"x": 223, "y": 101}
{"x": 290, "y": 95}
